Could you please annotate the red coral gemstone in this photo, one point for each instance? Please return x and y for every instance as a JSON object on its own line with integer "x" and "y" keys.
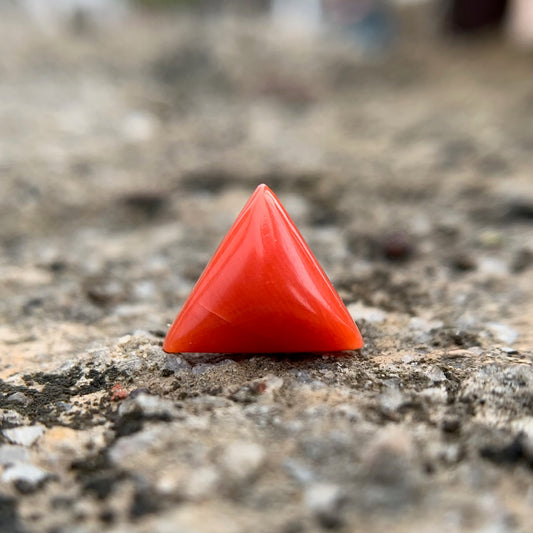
{"x": 263, "y": 292}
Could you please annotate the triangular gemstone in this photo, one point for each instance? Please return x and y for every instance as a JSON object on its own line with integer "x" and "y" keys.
{"x": 263, "y": 292}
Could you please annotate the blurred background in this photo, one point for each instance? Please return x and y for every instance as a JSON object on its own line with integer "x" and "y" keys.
{"x": 398, "y": 135}
{"x": 132, "y": 132}
{"x": 375, "y": 121}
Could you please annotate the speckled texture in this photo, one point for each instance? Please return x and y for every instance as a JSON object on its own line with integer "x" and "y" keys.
{"x": 125, "y": 154}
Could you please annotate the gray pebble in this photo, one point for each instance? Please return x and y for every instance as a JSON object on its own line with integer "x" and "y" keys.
{"x": 422, "y": 329}
{"x": 435, "y": 375}
{"x": 509, "y": 350}
{"x": 24, "y": 435}
{"x": 129, "y": 447}
{"x": 302, "y": 376}
{"x": 435, "y": 394}
{"x": 492, "y": 267}
{"x": 261, "y": 414}
{"x": 202, "y": 482}
{"x": 373, "y": 315}
{"x": 298, "y": 471}
{"x": 29, "y": 475}
{"x": 176, "y": 363}
{"x": 388, "y": 469}
{"x": 12, "y": 454}
{"x": 391, "y": 400}
{"x": 241, "y": 460}
{"x": 423, "y": 325}
{"x": 324, "y": 501}
{"x": 148, "y": 406}
{"x": 64, "y": 406}
{"x": 13, "y": 418}
{"x": 503, "y": 333}
{"x": 200, "y": 369}
{"x": 19, "y": 397}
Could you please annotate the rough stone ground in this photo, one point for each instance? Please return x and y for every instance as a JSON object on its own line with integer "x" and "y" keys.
{"x": 125, "y": 154}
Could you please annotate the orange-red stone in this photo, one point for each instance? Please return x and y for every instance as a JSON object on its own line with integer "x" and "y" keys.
{"x": 263, "y": 292}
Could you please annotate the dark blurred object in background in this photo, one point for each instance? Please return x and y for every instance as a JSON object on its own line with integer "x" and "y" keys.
{"x": 467, "y": 16}
{"x": 477, "y": 16}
